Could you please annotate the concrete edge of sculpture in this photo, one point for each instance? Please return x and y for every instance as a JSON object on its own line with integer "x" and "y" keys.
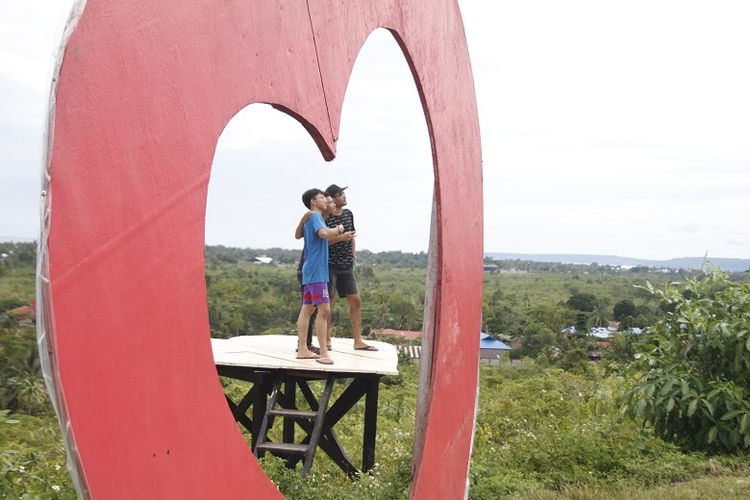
{"x": 43, "y": 312}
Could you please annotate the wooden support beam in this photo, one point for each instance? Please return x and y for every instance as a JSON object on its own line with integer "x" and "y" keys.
{"x": 290, "y": 395}
{"x": 240, "y": 416}
{"x": 371, "y": 422}
{"x": 361, "y": 385}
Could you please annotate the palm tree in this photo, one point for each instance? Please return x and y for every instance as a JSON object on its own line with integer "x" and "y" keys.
{"x": 601, "y": 312}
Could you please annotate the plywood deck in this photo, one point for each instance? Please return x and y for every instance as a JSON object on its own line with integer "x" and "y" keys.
{"x": 279, "y": 352}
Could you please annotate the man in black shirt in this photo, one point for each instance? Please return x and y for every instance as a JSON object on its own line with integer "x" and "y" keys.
{"x": 341, "y": 258}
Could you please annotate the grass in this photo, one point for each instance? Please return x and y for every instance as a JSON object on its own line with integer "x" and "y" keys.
{"x": 542, "y": 433}
{"x": 581, "y": 448}
{"x": 705, "y": 488}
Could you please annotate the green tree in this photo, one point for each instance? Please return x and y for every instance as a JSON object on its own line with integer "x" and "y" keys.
{"x": 554, "y": 317}
{"x": 537, "y": 339}
{"x": 502, "y": 319}
{"x": 21, "y": 384}
{"x": 581, "y": 301}
{"x": 582, "y": 320}
{"x": 694, "y": 385}
{"x": 624, "y": 308}
{"x": 366, "y": 272}
{"x": 403, "y": 311}
{"x": 601, "y": 311}
{"x": 622, "y": 348}
{"x": 575, "y": 357}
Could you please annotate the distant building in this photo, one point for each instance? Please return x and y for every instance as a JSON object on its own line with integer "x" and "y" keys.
{"x": 490, "y": 350}
{"x": 600, "y": 332}
{"x": 598, "y": 348}
{"x": 262, "y": 259}
{"x": 24, "y": 315}
{"x": 414, "y": 352}
{"x": 491, "y": 268}
{"x": 400, "y": 334}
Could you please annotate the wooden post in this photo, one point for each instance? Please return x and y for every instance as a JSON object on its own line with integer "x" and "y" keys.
{"x": 371, "y": 421}
{"x": 259, "y": 408}
{"x": 291, "y": 396}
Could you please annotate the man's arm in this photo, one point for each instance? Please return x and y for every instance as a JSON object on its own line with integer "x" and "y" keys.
{"x": 331, "y": 233}
{"x": 300, "y": 231}
{"x": 342, "y": 237}
{"x": 354, "y": 242}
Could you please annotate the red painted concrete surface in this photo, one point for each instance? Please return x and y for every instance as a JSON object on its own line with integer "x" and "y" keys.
{"x": 144, "y": 91}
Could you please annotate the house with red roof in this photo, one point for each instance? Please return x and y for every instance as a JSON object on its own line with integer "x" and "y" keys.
{"x": 384, "y": 333}
{"x": 24, "y": 315}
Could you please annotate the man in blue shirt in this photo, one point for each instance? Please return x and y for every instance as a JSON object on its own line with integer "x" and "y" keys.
{"x": 315, "y": 275}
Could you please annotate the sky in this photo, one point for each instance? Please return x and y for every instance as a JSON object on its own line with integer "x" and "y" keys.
{"x": 618, "y": 128}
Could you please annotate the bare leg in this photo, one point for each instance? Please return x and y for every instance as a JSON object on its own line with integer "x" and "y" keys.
{"x": 321, "y": 328}
{"x": 355, "y": 316}
{"x": 303, "y": 320}
{"x": 329, "y": 325}
{"x": 311, "y": 327}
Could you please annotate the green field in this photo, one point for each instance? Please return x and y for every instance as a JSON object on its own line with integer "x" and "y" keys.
{"x": 551, "y": 425}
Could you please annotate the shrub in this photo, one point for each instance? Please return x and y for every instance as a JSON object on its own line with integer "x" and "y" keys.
{"x": 21, "y": 384}
{"x": 551, "y": 429}
{"x": 696, "y": 367}
{"x": 32, "y": 458}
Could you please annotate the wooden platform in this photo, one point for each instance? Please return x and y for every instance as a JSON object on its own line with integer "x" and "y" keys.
{"x": 269, "y": 362}
{"x": 278, "y": 352}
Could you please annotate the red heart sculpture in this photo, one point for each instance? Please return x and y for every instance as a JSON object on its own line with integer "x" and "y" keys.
{"x": 144, "y": 90}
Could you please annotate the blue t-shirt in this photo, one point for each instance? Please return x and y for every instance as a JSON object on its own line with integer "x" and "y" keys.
{"x": 315, "y": 268}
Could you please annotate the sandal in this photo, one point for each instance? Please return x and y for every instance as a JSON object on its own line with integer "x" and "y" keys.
{"x": 312, "y": 348}
{"x": 309, "y": 356}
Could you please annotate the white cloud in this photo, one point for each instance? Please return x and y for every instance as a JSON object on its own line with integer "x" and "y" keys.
{"x": 383, "y": 156}
{"x": 606, "y": 128}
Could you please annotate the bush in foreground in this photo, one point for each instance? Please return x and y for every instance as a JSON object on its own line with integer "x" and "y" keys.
{"x": 551, "y": 429}
{"x": 695, "y": 382}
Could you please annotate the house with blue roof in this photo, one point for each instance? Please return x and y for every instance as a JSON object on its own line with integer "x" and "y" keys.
{"x": 490, "y": 350}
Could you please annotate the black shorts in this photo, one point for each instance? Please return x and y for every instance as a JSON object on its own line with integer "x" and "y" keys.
{"x": 342, "y": 282}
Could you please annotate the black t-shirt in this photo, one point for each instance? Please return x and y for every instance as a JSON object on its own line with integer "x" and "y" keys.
{"x": 341, "y": 254}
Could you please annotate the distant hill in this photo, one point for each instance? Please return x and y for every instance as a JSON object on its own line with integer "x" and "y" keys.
{"x": 16, "y": 239}
{"x": 728, "y": 265}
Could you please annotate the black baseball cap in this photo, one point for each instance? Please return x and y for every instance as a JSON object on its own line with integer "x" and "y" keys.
{"x": 333, "y": 190}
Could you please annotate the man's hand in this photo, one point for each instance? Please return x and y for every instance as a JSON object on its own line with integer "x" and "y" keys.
{"x": 299, "y": 232}
{"x": 347, "y": 236}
